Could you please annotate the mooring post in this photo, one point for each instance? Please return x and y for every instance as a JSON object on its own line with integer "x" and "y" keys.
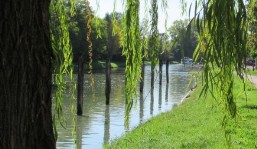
{"x": 107, "y": 81}
{"x": 142, "y": 77}
{"x": 167, "y": 70}
{"x": 80, "y": 82}
{"x": 160, "y": 70}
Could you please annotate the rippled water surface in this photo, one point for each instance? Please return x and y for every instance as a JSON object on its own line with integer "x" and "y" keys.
{"x": 100, "y": 123}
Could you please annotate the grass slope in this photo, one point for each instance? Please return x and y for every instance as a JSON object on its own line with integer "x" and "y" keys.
{"x": 197, "y": 123}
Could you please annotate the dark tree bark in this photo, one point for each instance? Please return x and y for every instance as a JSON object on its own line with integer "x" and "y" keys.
{"x": 80, "y": 83}
{"x": 25, "y": 76}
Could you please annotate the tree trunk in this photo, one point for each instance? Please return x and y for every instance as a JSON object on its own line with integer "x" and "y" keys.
{"x": 80, "y": 83}
{"x": 25, "y": 76}
{"x": 107, "y": 81}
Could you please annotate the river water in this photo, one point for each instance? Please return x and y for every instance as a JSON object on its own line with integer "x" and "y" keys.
{"x": 101, "y": 124}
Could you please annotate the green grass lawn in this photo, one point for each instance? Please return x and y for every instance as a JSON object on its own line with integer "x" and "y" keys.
{"x": 197, "y": 123}
{"x": 251, "y": 72}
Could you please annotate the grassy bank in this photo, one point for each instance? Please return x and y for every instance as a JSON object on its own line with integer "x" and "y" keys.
{"x": 97, "y": 65}
{"x": 101, "y": 65}
{"x": 196, "y": 123}
{"x": 251, "y": 72}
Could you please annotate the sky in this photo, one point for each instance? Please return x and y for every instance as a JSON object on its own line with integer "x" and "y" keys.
{"x": 174, "y": 10}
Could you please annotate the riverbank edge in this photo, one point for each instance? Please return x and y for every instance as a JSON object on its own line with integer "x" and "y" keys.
{"x": 195, "y": 123}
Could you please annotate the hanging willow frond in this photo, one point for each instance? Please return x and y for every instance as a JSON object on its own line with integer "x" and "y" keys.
{"x": 62, "y": 50}
{"x": 165, "y": 38}
{"x": 222, "y": 31}
{"x": 90, "y": 44}
{"x": 154, "y": 39}
{"x": 132, "y": 47}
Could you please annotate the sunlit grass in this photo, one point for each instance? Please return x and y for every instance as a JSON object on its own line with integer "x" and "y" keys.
{"x": 197, "y": 123}
{"x": 251, "y": 71}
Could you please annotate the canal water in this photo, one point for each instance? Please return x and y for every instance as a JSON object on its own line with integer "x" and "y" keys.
{"x": 101, "y": 124}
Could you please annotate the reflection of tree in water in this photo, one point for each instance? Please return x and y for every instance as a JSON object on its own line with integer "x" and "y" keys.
{"x": 152, "y": 102}
{"x": 166, "y": 93}
{"x": 107, "y": 125}
{"x": 94, "y": 126}
{"x": 160, "y": 97}
{"x": 118, "y": 89}
{"x": 179, "y": 85}
{"x": 160, "y": 85}
{"x": 79, "y": 132}
{"x": 141, "y": 111}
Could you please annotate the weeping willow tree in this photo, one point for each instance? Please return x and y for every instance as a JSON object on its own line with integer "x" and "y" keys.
{"x": 222, "y": 27}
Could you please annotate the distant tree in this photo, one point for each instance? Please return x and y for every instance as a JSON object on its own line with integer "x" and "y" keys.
{"x": 99, "y": 38}
{"x": 99, "y": 34}
{"x": 252, "y": 44}
{"x": 184, "y": 42}
{"x": 78, "y": 31}
{"x": 113, "y": 35}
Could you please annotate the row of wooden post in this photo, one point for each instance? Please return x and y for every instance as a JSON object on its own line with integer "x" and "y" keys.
{"x": 80, "y": 81}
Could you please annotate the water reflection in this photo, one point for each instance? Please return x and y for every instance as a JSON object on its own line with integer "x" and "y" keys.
{"x": 166, "y": 94}
{"x": 160, "y": 97}
{"x": 79, "y": 132}
{"x": 100, "y": 123}
{"x": 152, "y": 102}
{"x": 141, "y": 111}
{"x": 107, "y": 125}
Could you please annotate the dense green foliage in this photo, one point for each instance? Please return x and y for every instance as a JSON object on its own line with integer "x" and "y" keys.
{"x": 196, "y": 123}
{"x": 99, "y": 34}
{"x": 252, "y": 16}
{"x": 223, "y": 32}
{"x": 183, "y": 42}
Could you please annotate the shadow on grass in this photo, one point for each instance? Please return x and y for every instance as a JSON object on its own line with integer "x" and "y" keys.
{"x": 252, "y": 107}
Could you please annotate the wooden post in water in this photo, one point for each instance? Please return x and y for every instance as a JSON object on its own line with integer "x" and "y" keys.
{"x": 80, "y": 89}
{"x": 152, "y": 75}
{"x": 160, "y": 70}
{"x": 107, "y": 81}
{"x": 142, "y": 77}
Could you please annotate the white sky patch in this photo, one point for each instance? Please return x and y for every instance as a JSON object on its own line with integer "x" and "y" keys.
{"x": 174, "y": 10}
